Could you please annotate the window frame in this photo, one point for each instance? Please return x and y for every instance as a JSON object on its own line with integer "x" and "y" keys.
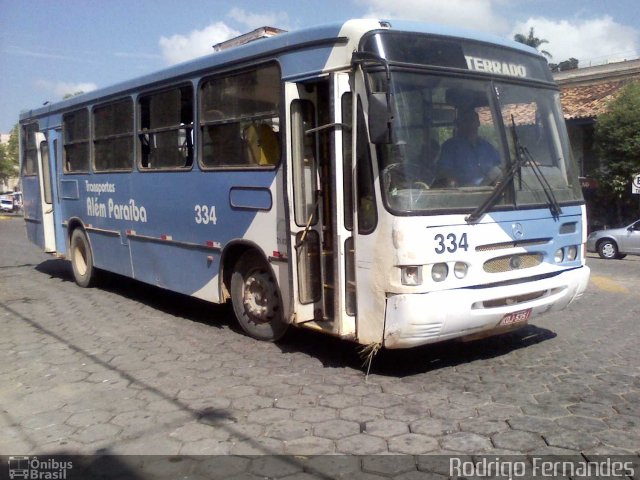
{"x": 189, "y": 128}
{"x": 346, "y": 105}
{"x": 47, "y": 188}
{"x": 130, "y": 134}
{"x": 304, "y": 171}
{"x": 87, "y": 140}
{"x": 24, "y": 143}
{"x": 200, "y": 124}
{"x": 365, "y": 175}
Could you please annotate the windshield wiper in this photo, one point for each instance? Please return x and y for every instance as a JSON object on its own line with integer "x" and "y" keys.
{"x": 554, "y": 206}
{"x": 523, "y": 156}
{"x": 501, "y": 184}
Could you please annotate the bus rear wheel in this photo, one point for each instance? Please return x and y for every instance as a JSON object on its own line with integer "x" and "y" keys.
{"x": 84, "y": 273}
{"x": 256, "y": 298}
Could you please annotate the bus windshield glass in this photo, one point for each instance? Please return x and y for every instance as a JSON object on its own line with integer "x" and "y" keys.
{"x": 453, "y": 139}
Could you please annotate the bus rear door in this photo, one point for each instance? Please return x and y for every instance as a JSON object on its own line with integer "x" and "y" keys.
{"x": 46, "y": 193}
{"x": 37, "y": 187}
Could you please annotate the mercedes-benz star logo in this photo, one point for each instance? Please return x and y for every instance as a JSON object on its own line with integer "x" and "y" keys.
{"x": 518, "y": 231}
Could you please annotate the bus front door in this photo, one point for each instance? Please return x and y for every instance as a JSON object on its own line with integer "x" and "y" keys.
{"x": 314, "y": 153}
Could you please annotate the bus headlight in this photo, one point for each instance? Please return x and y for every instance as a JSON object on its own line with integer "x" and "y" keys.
{"x": 559, "y": 256}
{"x": 460, "y": 270}
{"x": 572, "y": 253}
{"x": 412, "y": 275}
{"x": 439, "y": 272}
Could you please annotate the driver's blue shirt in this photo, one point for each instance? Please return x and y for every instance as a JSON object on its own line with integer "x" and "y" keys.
{"x": 466, "y": 162}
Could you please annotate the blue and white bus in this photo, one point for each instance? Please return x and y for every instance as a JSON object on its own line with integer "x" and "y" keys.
{"x": 323, "y": 178}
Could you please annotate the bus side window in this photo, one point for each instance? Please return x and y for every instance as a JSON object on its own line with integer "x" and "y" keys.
{"x": 113, "y": 136}
{"x": 166, "y": 126}
{"x": 262, "y": 144}
{"x": 75, "y": 127}
{"x": 223, "y": 145}
{"x": 347, "y": 158}
{"x": 304, "y": 166}
{"x": 241, "y": 130}
{"x": 29, "y": 150}
{"x": 367, "y": 211}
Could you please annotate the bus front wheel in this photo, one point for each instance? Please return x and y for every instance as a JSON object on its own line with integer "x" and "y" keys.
{"x": 256, "y": 298}
{"x": 84, "y": 273}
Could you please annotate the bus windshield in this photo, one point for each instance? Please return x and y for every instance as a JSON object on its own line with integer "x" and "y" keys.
{"x": 454, "y": 137}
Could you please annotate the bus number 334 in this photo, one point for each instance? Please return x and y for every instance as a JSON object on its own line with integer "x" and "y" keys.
{"x": 450, "y": 243}
{"x": 205, "y": 214}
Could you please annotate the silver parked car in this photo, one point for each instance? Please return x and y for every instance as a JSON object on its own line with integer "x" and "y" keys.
{"x": 615, "y": 242}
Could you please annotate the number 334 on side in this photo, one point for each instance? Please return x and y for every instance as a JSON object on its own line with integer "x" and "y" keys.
{"x": 205, "y": 214}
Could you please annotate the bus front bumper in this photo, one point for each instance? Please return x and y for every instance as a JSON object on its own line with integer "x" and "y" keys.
{"x": 418, "y": 319}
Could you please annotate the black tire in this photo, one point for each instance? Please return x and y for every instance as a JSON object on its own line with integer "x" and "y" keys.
{"x": 608, "y": 249}
{"x": 84, "y": 272}
{"x": 256, "y": 298}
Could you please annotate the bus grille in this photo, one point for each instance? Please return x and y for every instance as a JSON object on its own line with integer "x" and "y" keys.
{"x": 513, "y": 244}
{"x": 513, "y": 262}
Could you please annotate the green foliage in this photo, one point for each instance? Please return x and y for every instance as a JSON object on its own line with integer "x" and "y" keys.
{"x": 13, "y": 147}
{"x": 617, "y": 142}
{"x": 570, "y": 64}
{"x": 3, "y": 162}
{"x": 9, "y": 156}
{"x": 532, "y": 41}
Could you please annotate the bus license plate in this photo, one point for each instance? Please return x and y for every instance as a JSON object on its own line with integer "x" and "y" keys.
{"x": 516, "y": 317}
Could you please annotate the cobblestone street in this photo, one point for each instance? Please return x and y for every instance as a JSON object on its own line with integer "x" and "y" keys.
{"x": 126, "y": 368}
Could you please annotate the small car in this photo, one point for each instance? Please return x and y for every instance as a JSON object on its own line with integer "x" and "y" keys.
{"x": 615, "y": 242}
{"x": 6, "y": 204}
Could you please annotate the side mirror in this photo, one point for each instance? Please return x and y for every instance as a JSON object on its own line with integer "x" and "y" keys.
{"x": 380, "y": 118}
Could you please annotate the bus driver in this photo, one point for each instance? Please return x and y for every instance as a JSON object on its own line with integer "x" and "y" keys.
{"x": 467, "y": 159}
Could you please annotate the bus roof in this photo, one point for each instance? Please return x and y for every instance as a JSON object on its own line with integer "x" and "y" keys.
{"x": 349, "y": 33}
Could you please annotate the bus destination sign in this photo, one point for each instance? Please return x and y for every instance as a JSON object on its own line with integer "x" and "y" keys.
{"x": 496, "y": 66}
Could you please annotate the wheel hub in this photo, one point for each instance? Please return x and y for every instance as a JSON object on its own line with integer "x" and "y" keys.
{"x": 608, "y": 250}
{"x": 260, "y": 296}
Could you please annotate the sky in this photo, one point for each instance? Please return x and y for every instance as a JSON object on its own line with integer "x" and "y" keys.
{"x": 49, "y": 48}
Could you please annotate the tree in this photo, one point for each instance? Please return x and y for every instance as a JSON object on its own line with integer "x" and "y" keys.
{"x": 13, "y": 150}
{"x": 617, "y": 142}
{"x": 570, "y": 64}
{"x": 9, "y": 156}
{"x": 532, "y": 41}
{"x": 4, "y": 164}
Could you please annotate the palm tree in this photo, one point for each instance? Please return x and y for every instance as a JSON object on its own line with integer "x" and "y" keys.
{"x": 532, "y": 41}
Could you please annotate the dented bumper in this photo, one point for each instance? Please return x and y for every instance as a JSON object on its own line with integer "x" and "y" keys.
{"x": 418, "y": 319}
